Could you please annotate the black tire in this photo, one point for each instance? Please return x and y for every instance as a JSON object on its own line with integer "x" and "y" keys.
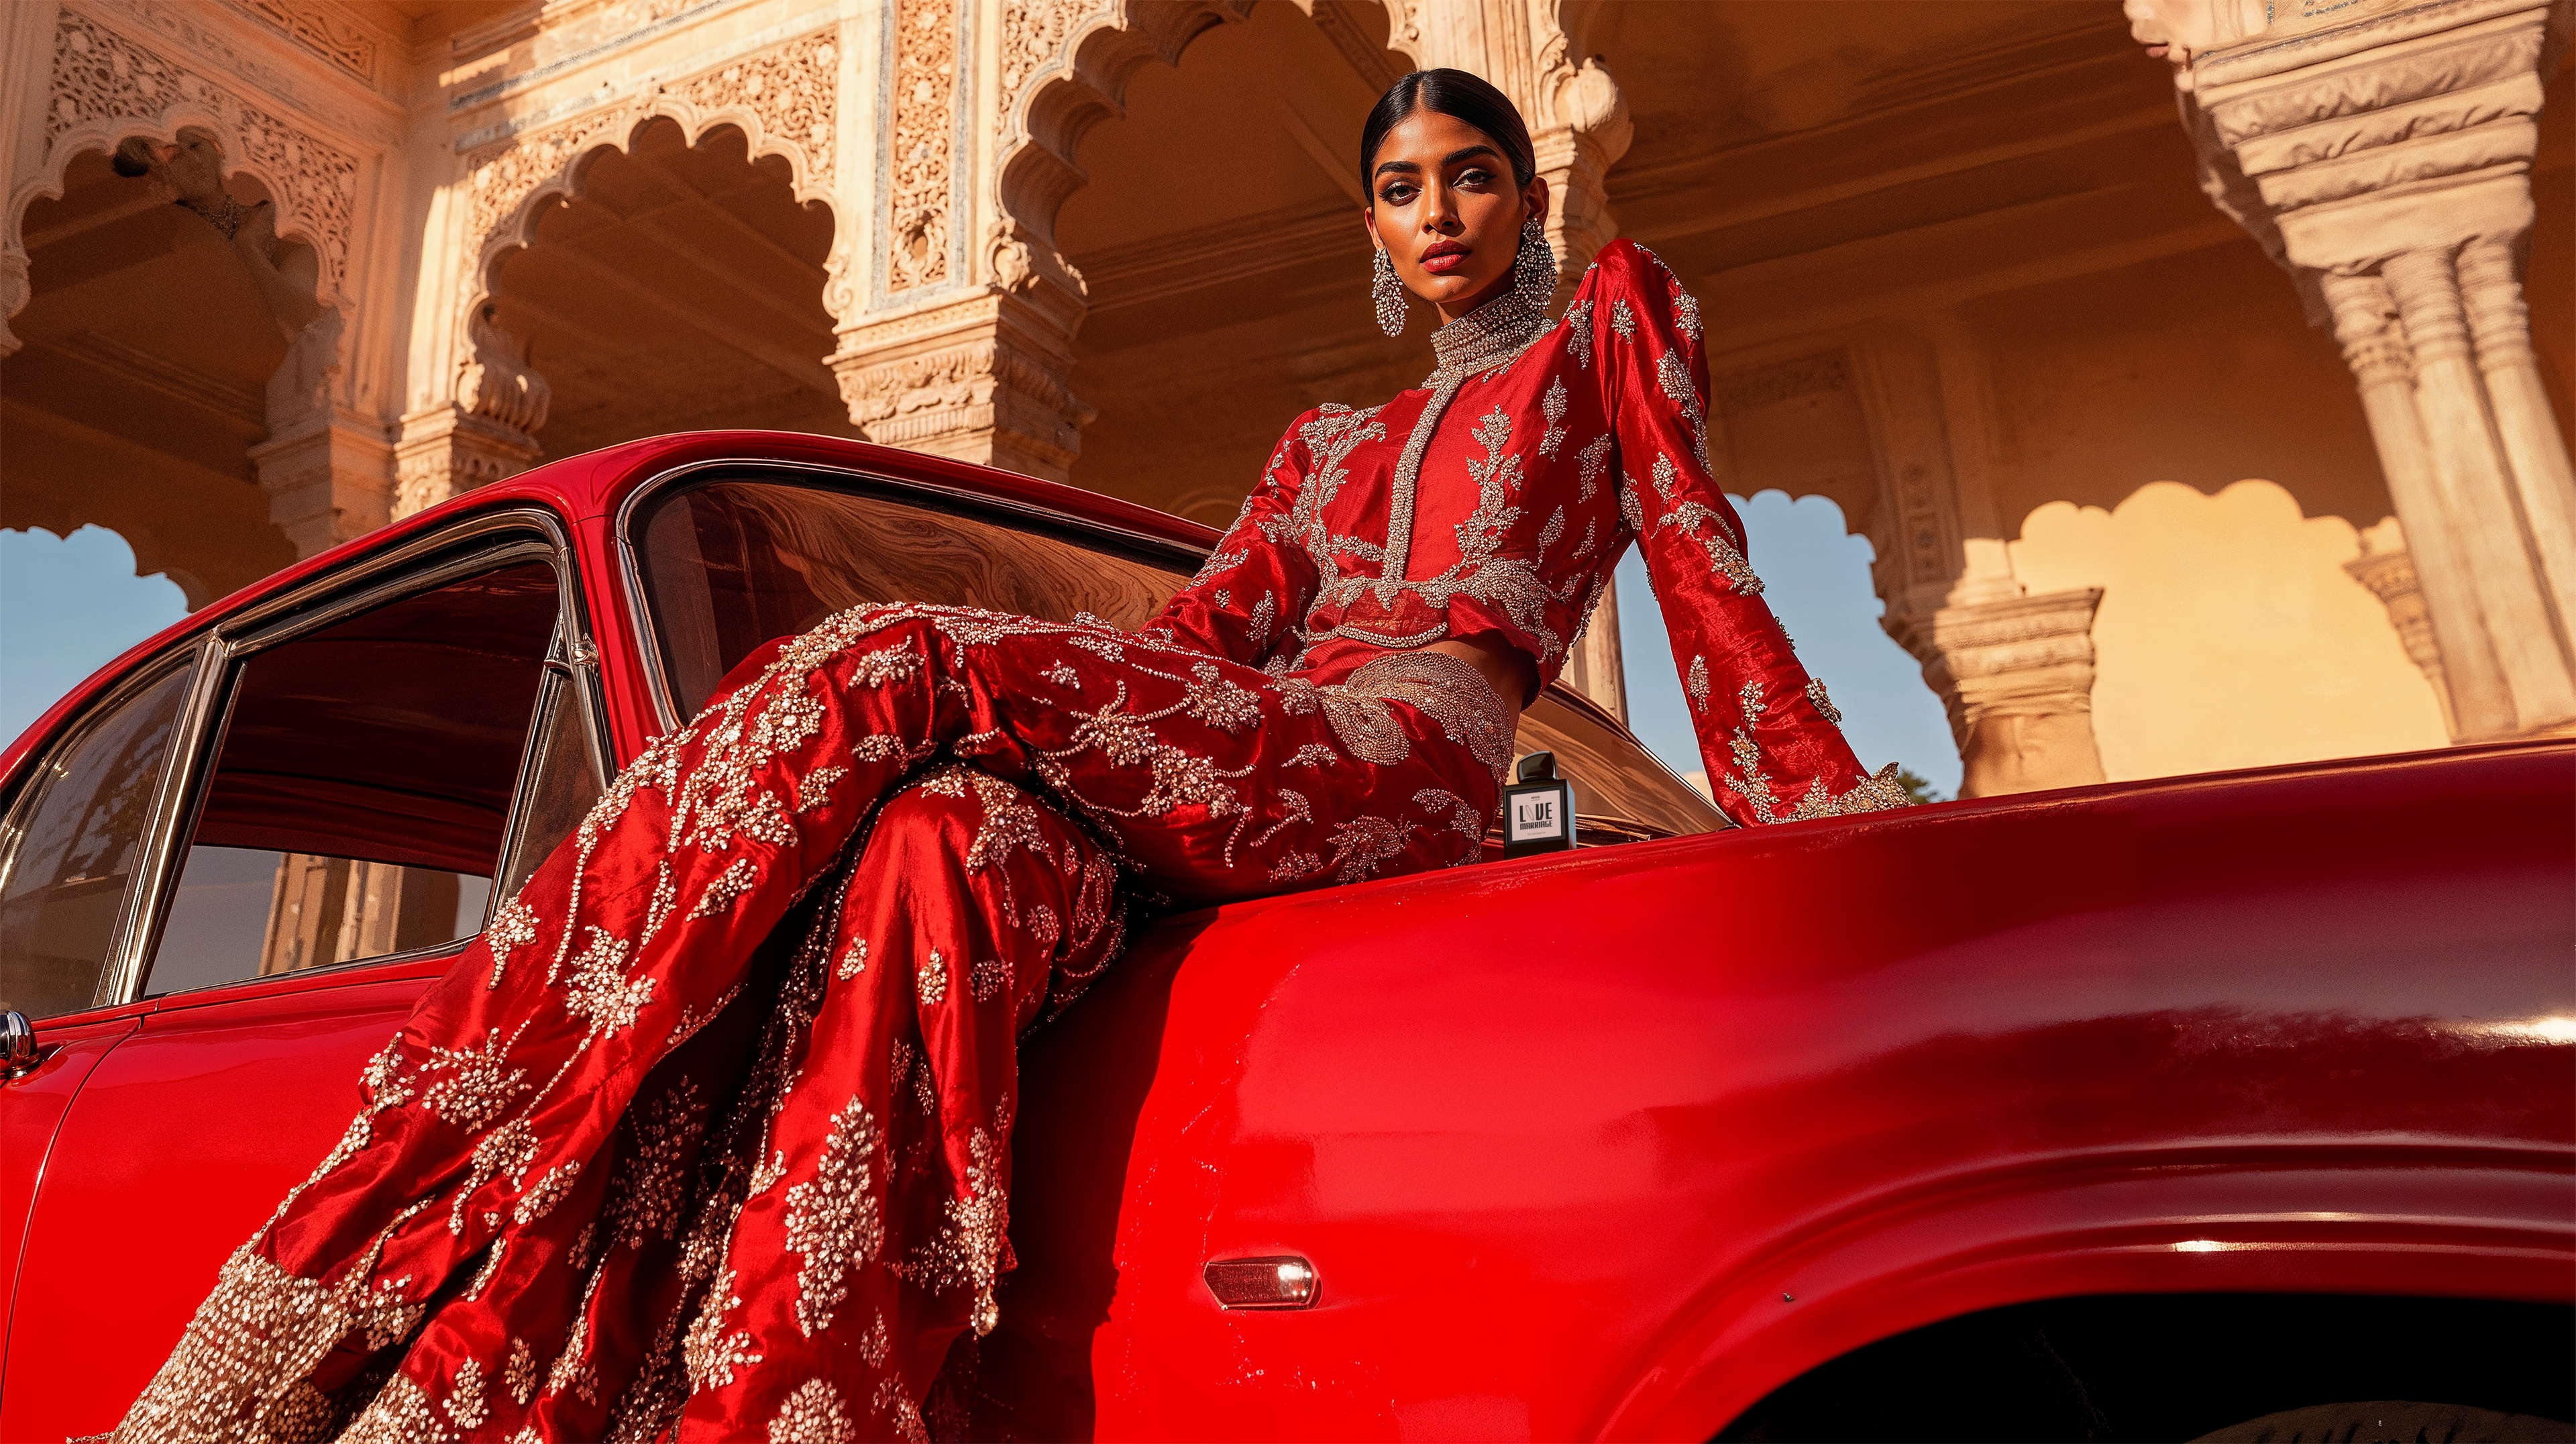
{"x": 2393, "y": 1421}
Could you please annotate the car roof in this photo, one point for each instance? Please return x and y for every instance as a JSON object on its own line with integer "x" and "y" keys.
{"x": 591, "y": 487}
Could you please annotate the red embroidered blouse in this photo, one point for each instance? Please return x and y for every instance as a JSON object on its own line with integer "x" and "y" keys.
{"x": 1496, "y": 498}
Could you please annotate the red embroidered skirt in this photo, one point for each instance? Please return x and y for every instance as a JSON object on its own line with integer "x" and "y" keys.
{"x": 709, "y": 1131}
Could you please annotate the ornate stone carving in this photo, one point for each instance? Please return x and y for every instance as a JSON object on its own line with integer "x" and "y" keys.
{"x": 981, "y": 379}
{"x": 105, "y": 86}
{"x": 2017, "y": 679}
{"x": 2390, "y": 576}
{"x": 1582, "y": 129}
{"x": 321, "y": 29}
{"x": 487, "y": 432}
{"x": 1034, "y": 36}
{"x": 2383, "y": 155}
{"x": 1040, "y": 122}
{"x": 788, "y": 94}
{"x": 188, "y": 28}
{"x": 923, "y": 76}
{"x": 327, "y": 479}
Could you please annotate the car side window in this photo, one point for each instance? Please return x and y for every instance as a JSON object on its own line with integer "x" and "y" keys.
{"x": 362, "y": 792}
{"x": 69, "y": 847}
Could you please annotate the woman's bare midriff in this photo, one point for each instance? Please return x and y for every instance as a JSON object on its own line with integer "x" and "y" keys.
{"x": 1509, "y": 673}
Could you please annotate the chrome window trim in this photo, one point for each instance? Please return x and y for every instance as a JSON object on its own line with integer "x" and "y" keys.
{"x": 639, "y": 611}
{"x": 318, "y": 603}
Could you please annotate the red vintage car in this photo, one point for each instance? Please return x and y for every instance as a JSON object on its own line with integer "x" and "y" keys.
{"x": 2133, "y": 1111}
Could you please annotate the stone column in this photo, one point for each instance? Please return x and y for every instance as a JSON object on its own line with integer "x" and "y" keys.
{"x": 2500, "y": 324}
{"x": 2475, "y": 699}
{"x": 327, "y": 467}
{"x": 486, "y": 432}
{"x": 2016, "y": 675}
{"x": 328, "y": 478}
{"x": 2385, "y": 153}
{"x": 2450, "y": 396}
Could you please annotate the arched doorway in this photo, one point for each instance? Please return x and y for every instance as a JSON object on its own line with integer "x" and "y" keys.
{"x": 672, "y": 287}
{"x": 149, "y": 343}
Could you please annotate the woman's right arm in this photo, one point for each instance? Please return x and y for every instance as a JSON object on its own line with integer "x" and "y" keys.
{"x": 1258, "y": 583}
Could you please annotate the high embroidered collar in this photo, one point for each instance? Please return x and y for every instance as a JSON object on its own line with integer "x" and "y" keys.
{"x": 1486, "y": 337}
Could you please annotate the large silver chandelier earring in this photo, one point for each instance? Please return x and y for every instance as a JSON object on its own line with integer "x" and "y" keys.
{"x": 1387, "y": 293}
{"x": 1534, "y": 271}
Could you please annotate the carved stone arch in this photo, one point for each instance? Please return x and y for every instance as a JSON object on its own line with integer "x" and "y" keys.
{"x": 105, "y": 87}
{"x": 481, "y": 424}
{"x": 783, "y": 100}
{"x": 1065, "y": 66}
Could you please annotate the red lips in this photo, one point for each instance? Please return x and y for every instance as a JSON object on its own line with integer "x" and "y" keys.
{"x": 1442, "y": 257}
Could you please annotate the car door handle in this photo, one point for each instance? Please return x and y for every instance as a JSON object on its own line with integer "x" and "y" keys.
{"x": 18, "y": 1052}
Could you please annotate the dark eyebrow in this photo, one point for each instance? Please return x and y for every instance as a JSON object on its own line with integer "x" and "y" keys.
{"x": 1406, "y": 167}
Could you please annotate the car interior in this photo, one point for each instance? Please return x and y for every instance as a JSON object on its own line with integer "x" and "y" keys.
{"x": 360, "y": 800}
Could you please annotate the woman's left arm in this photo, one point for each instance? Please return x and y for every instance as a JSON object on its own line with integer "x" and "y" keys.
{"x": 1767, "y": 732}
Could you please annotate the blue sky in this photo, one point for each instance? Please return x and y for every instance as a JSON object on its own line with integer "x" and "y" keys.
{"x": 68, "y": 604}
{"x": 1816, "y": 577}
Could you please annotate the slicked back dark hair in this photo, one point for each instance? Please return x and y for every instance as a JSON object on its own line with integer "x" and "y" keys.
{"x": 1460, "y": 96}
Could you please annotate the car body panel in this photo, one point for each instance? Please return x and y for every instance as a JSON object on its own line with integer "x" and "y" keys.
{"x": 31, "y": 1116}
{"x": 1602, "y": 1144}
{"x": 2316, "y": 1025}
{"x": 188, "y": 1135}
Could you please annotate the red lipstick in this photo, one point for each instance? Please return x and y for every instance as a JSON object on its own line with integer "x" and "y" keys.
{"x": 1443, "y": 257}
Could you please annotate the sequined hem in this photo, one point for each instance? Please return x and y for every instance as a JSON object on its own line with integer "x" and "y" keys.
{"x": 239, "y": 1371}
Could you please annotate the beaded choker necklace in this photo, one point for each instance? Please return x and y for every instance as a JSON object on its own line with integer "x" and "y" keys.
{"x": 1486, "y": 337}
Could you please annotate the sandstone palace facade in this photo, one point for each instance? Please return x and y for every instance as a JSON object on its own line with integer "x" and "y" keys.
{"x": 2193, "y": 426}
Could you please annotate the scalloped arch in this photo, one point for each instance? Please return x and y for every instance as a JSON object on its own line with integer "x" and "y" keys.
{"x": 782, "y": 100}
{"x": 1065, "y": 69}
{"x": 103, "y": 87}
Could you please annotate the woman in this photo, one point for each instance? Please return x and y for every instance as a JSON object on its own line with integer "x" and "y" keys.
{"x": 710, "y": 1129}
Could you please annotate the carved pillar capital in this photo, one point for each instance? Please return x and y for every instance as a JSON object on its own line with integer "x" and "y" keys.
{"x": 487, "y": 432}
{"x": 2382, "y": 153}
{"x": 328, "y": 479}
{"x": 2390, "y": 576}
{"x": 982, "y": 379}
{"x": 1584, "y": 130}
{"x": 2016, "y": 676}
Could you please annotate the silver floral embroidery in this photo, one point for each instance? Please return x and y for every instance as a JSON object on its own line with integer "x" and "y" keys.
{"x": 989, "y": 979}
{"x": 711, "y": 1355}
{"x": 477, "y": 1089}
{"x": 832, "y": 1218}
{"x": 545, "y": 1193}
{"x": 812, "y": 1415}
{"x": 599, "y": 990}
{"x": 465, "y": 1403}
{"x": 513, "y": 927}
{"x": 932, "y": 979}
{"x": 739, "y": 877}
{"x": 1824, "y": 704}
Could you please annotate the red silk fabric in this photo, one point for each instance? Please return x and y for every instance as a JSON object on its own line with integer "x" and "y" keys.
{"x": 714, "y": 1116}
{"x": 1537, "y": 476}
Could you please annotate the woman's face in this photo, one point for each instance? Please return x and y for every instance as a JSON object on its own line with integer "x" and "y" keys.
{"x": 1442, "y": 203}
